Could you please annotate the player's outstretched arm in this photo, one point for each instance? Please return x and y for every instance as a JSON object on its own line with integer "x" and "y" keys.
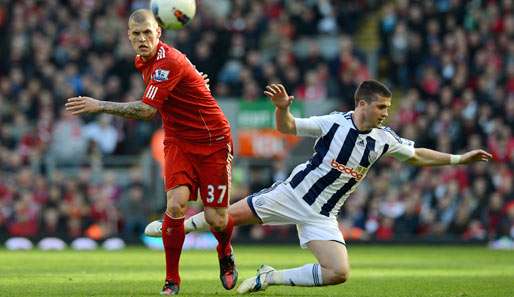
{"x": 132, "y": 110}
{"x": 427, "y": 157}
{"x": 284, "y": 119}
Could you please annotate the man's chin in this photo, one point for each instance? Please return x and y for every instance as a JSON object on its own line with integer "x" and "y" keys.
{"x": 144, "y": 54}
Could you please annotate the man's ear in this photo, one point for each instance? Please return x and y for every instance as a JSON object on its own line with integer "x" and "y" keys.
{"x": 159, "y": 32}
{"x": 362, "y": 103}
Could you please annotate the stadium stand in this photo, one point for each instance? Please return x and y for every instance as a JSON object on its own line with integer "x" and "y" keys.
{"x": 451, "y": 64}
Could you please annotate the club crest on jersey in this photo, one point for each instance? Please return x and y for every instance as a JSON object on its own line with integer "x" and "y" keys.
{"x": 372, "y": 157}
{"x": 160, "y": 75}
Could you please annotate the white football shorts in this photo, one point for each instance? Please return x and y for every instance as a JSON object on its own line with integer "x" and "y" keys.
{"x": 278, "y": 205}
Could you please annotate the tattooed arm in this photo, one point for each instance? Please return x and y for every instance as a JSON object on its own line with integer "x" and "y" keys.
{"x": 132, "y": 110}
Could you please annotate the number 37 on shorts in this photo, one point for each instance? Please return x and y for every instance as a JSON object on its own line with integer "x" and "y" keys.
{"x": 216, "y": 194}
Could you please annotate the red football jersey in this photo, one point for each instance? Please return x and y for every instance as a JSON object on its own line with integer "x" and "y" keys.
{"x": 189, "y": 111}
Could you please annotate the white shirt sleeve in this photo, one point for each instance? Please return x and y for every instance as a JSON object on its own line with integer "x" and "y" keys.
{"x": 399, "y": 148}
{"x": 307, "y": 127}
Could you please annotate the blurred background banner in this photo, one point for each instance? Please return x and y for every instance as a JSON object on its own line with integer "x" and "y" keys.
{"x": 257, "y": 137}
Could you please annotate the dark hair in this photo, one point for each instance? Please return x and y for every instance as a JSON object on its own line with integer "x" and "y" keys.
{"x": 368, "y": 91}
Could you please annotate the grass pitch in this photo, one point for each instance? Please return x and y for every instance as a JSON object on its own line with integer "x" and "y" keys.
{"x": 376, "y": 271}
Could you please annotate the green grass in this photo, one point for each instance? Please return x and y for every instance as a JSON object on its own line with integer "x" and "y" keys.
{"x": 376, "y": 271}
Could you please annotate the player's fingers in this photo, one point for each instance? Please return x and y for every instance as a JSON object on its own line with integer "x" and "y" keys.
{"x": 69, "y": 107}
{"x": 77, "y": 112}
{"x": 276, "y": 89}
{"x": 486, "y": 155}
{"x": 73, "y": 103}
{"x": 73, "y": 99}
{"x": 482, "y": 154}
{"x": 270, "y": 89}
{"x": 282, "y": 88}
{"x": 73, "y": 109}
{"x": 269, "y": 94}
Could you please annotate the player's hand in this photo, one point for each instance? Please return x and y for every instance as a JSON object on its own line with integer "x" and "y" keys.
{"x": 278, "y": 95}
{"x": 475, "y": 156}
{"x": 206, "y": 80}
{"x": 80, "y": 104}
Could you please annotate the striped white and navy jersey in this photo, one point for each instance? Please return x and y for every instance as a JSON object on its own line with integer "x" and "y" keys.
{"x": 342, "y": 158}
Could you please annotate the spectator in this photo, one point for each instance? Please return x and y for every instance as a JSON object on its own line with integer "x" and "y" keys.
{"x": 102, "y": 133}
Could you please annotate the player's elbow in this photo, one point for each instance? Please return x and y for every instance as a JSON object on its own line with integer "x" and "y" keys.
{"x": 148, "y": 115}
{"x": 416, "y": 160}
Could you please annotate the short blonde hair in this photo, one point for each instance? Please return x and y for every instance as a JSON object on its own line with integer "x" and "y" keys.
{"x": 142, "y": 15}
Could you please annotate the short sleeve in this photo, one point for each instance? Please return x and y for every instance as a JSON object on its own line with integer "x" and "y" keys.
{"x": 399, "y": 148}
{"x": 325, "y": 122}
{"x": 307, "y": 127}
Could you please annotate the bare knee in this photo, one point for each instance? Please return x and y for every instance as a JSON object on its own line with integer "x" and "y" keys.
{"x": 336, "y": 274}
{"x": 341, "y": 275}
{"x": 175, "y": 206}
{"x": 216, "y": 221}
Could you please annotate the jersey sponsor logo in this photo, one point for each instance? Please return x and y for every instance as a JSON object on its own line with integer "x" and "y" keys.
{"x": 347, "y": 170}
{"x": 151, "y": 91}
{"x": 160, "y": 75}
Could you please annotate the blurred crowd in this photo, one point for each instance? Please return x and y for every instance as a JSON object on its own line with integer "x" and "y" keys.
{"x": 454, "y": 62}
{"x": 449, "y": 63}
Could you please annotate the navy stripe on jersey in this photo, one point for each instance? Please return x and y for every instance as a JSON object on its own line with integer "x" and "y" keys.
{"x": 331, "y": 203}
{"x": 388, "y": 129}
{"x": 370, "y": 146}
{"x": 386, "y": 148}
{"x": 364, "y": 162}
{"x": 321, "y": 149}
{"x": 342, "y": 158}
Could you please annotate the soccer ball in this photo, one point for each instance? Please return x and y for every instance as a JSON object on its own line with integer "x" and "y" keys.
{"x": 173, "y": 14}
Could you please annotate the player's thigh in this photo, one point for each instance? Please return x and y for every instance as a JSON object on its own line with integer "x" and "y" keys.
{"x": 331, "y": 255}
{"x": 214, "y": 176}
{"x": 276, "y": 205}
{"x": 178, "y": 171}
{"x": 176, "y": 201}
{"x": 242, "y": 214}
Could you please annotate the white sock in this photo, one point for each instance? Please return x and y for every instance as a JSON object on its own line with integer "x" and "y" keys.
{"x": 308, "y": 275}
{"x": 196, "y": 223}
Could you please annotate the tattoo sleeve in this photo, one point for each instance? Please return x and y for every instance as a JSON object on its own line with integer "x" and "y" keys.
{"x": 133, "y": 110}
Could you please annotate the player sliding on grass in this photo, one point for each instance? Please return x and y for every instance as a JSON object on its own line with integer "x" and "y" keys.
{"x": 348, "y": 144}
{"x": 197, "y": 142}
